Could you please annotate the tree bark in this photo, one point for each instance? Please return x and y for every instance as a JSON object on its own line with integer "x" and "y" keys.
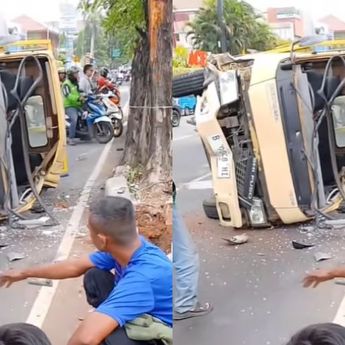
{"x": 148, "y": 141}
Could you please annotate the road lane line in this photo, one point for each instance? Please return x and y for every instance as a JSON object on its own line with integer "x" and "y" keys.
{"x": 45, "y": 296}
{"x": 184, "y": 137}
{"x": 340, "y": 315}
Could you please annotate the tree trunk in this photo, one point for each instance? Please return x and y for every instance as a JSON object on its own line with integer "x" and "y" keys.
{"x": 148, "y": 141}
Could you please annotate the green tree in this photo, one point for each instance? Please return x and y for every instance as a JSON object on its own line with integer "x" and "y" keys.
{"x": 91, "y": 10}
{"x": 102, "y": 46}
{"x": 144, "y": 29}
{"x": 244, "y": 28}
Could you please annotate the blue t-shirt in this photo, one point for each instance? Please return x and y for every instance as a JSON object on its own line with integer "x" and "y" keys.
{"x": 143, "y": 287}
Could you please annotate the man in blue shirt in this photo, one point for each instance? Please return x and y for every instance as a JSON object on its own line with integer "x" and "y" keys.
{"x": 127, "y": 278}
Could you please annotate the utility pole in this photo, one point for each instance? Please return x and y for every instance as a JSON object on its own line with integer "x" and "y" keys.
{"x": 221, "y": 23}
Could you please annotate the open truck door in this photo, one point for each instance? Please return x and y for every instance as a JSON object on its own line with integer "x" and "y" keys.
{"x": 32, "y": 136}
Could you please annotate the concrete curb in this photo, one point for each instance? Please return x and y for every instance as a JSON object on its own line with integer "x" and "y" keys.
{"x": 117, "y": 186}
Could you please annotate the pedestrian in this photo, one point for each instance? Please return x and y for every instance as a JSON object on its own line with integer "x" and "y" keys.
{"x": 22, "y": 334}
{"x": 136, "y": 301}
{"x": 85, "y": 84}
{"x": 73, "y": 101}
{"x": 186, "y": 269}
{"x": 320, "y": 334}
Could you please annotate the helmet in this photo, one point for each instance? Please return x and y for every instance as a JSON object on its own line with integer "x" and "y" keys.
{"x": 62, "y": 70}
{"x": 104, "y": 72}
{"x": 71, "y": 74}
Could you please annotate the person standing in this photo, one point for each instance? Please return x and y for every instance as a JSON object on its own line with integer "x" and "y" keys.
{"x": 186, "y": 271}
{"x": 73, "y": 101}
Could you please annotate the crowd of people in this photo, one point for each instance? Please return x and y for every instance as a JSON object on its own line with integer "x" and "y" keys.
{"x": 76, "y": 88}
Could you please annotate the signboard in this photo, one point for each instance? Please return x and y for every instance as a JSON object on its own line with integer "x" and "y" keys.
{"x": 116, "y": 53}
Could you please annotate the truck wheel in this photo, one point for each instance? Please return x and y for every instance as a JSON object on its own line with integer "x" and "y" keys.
{"x": 210, "y": 208}
{"x": 189, "y": 84}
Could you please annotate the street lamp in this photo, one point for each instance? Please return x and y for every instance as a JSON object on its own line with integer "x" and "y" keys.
{"x": 221, "y": 23}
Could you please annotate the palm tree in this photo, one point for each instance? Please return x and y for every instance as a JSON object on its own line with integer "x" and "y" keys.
{"x": 92, "y": 13}
{"x": 243, "y": 29}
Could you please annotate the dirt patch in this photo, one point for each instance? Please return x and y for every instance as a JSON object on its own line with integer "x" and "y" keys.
{"x": 155, "y": 223}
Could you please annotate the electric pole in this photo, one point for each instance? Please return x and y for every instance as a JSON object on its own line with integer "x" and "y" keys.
{"x": 221, "y": 23}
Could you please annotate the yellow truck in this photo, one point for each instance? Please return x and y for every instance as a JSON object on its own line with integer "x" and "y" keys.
{"x": 273, "y": 129}
{"x": 32, "y": 131}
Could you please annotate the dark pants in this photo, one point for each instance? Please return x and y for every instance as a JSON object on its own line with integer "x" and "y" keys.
{"x": 98, "y": 284}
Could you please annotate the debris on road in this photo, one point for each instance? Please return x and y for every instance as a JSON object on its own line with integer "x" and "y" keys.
{"x": 239, "y": 239}
{"x": 34, "y": 222}
{"x": 3, "y": 245}
{"x": 319, "y": 256}
{"x": 340, "y": 282}
{"x": 40, "y": 282}
{"x": 13, "y": 256}
{"x": 301, "y": 245}
{"x": 260, "y": 254}
{"x": 82, "y": 157}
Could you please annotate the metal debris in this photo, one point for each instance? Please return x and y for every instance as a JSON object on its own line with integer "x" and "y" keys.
{"x": 301, "y": 245}
{"x": 3, "y": 245}
{"x": 40, "y": 282}
{"x": 340, "y": 282}
{"x": 239, "y": 239}
{"x": 319, "y": 256}
{"x": 34, "y": 222}
{"x": 13, "y": 256}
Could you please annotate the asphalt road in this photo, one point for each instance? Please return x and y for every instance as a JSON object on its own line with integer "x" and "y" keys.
{"x": 40, "y": 245}
{"x": 255, "y": 288}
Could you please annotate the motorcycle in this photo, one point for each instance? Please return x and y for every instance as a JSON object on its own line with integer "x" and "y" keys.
{"x": 96, "y": 117}
{"x": 114, "y": 112}
{"x": 175, "y": 115}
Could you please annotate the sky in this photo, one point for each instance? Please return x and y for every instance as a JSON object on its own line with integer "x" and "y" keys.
{"x": 41, "y": 10}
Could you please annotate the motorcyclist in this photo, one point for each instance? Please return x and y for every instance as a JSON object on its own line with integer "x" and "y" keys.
{"x": 73, "y": 101}
{"x": 105, "y": 84}
{"x": 85, "y": 83}
{"x": 62, "y": 74}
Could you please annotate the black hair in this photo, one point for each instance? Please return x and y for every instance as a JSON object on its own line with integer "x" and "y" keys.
{"x": 320, "y": 334}
{"x": 87, "y": 67}
{"x": 22, "y": 334}
{"x": 114, "y": 217}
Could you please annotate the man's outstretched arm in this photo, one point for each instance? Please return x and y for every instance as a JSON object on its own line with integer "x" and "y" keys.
{"x": 61, "y": 270}
{"x": 313, "y": 279}
{"x": 94, "y": 330}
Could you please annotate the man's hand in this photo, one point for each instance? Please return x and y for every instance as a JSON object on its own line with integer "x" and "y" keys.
{"x": 315, "y": 278}
{"x": 10, "y": 277}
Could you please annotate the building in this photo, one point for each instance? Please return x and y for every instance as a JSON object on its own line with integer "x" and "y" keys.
{"x": 288, "y": 23}
{"x": 333, "y": 26}
{"x": 184, "y": 12}
{"x": 34, "y": 30}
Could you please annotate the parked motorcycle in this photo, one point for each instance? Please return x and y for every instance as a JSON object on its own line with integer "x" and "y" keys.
{"x": 175, "y": 115}
{"x": 114, "y": 112}
{"x": 95, "y": 115}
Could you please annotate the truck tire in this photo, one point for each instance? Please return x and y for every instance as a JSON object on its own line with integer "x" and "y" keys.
{"x": 188, "y": 84}
{"x": 210, "y": 208}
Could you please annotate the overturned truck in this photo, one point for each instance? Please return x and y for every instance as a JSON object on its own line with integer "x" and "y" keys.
{"x": 273, "y": 129}
{"x": 32, "y": 129}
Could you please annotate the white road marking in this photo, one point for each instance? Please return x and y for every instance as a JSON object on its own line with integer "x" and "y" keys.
{"x": 184, "y": 137}
{"x": 45, "y": 296}
{"x": 199, "y": 185}
{"x": 340, "y": 315}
